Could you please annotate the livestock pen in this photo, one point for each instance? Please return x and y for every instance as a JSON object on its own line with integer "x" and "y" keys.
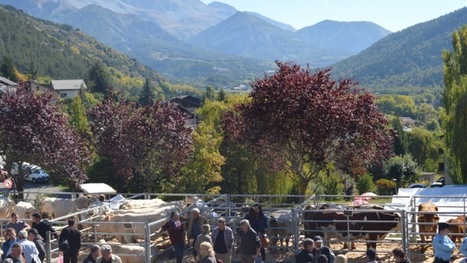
{"x": 136, "y": 241}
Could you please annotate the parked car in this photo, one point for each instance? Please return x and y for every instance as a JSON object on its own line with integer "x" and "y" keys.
{"x": 37, "y": 175}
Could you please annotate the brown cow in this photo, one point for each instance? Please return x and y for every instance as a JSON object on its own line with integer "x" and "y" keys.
{"x": 457, "y": 227}
{"x": 427, "y": 220}
{"x": 372, "y": 225}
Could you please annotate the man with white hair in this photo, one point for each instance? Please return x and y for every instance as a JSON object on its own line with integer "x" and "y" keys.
{"x": 28, "y": 248}
{"x": 195, "y": 222}
{"x": 249, "y": 242}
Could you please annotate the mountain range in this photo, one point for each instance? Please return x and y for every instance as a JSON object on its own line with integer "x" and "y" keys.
{"x": 191, "y": 42}
{"x": 175, "y": 37}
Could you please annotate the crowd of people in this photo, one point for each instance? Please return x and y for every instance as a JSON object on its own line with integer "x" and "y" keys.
{"x": 24, "y": 243}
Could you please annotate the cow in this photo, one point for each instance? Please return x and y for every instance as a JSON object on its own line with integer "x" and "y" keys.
{"x": 280, "y": 228}
{"x": 7, "y": 207}
{"x": 371, "y": 225}
{"x": 457, "y": 228}
{"x": 52, "y": 207}
{"x": 24, "y": 210}
{"x": 427, "y": 220}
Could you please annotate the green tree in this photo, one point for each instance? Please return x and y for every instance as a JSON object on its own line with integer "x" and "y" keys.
{"x": 455, "y": 103}
{"x": 100, "y": 79}
{"x": 401, "y": 168}
{"x": 147, "y": 95}
{"x": 400, "y": 138}
{"x": 8, "y": 69}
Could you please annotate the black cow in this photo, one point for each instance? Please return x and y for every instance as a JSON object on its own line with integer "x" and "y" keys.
{"x": 372, "y": 224}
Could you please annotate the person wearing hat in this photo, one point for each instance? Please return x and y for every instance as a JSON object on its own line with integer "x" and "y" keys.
{"x": 320, "y": 249}
{"x": 107, "y": 256}
{"x": 33, "y": 235}
{"x": 195, "y": 223}
{"x": 306, "y": 254}
{"x": 223, "y": 239}
{"x": 442, "y": 244}
{"x": 371, "y": 255}
{"x": 93, "y": 254}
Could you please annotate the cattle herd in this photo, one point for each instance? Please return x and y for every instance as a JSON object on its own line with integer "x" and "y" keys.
{"x": 126, "y": 223}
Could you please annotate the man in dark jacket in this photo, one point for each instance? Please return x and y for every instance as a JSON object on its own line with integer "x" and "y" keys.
{"x": 42, "y": 227}
{"x": 306, "y": 254}
{"x": 71, "y": 235}
{"x": 34, "y": 236}
{"x": 320, "y": 249}
{"x": 93, "y": 254}
{"x": 249, "y": 242}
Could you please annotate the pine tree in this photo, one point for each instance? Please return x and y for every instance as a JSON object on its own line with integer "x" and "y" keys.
{"x": 147, "y": 96}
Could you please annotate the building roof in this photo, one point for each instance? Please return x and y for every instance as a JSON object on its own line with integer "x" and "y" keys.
{"x": 7, "y": 82}
{"x": 68, "y": 84}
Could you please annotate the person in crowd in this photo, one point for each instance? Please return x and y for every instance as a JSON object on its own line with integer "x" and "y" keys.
{"x": 16, "y": 255}
{"x": 206, "y": 253}
{"x": 176, "y": 235}
{"x": 399, "y": 256}
{"x": 205, "y": 236}
{"x": 107, "y": 256}
{"x": 34, "y": 236}
{"x": 17, "y": 224}
{"x": 306, "y": 254}
{"x": 195, "y": 222}
{"x": 223, "y": 238}
{"x": 43, "y": 226}
{"x": 28, "y": 248}
{"x": 94, "y": 253}
{"x": 463, "y": 250}
{"x": 71, "y": 235}
{"x": 320, "y": 249}
{"x": 10, "y": 239}
{"x": 371, "y": 256}
{"x": 341, "y": 259}
{"x": 259, "y": 223}
{"x": 249, "y": 242}
{"x": 322, "y": 259}
{"x": 442, "y": 244}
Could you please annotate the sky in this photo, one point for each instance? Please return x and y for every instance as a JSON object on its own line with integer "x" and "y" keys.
{"x": 393, "y": 15}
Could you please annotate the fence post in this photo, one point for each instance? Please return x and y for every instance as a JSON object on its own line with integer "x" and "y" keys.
{"x": 147, "y": 243}
{"x": 295, "y": 228}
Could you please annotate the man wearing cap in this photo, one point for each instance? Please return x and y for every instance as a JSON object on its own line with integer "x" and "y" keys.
{"x": 107, "y": 256}
{"x": 194, "y": 227}
{"x": 442, "y": 244}
{"x": 93, "y": 254}
{"x": 223, "y": 238}
{"x": 306, "y": 254}
{"x": 320, "y": 249}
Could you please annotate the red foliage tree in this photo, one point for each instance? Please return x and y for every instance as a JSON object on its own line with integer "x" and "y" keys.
{"x": 153, "y": 141}
{"x": 303, "y": 121}
{"x": 34, "y": 129}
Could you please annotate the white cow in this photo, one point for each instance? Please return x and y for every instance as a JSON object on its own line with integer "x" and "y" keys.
{"x": 51, "y": 207}
{"x": 24, "y": 210}
{"x": 7, "y": 207}
{"x": 129, "y": 227}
